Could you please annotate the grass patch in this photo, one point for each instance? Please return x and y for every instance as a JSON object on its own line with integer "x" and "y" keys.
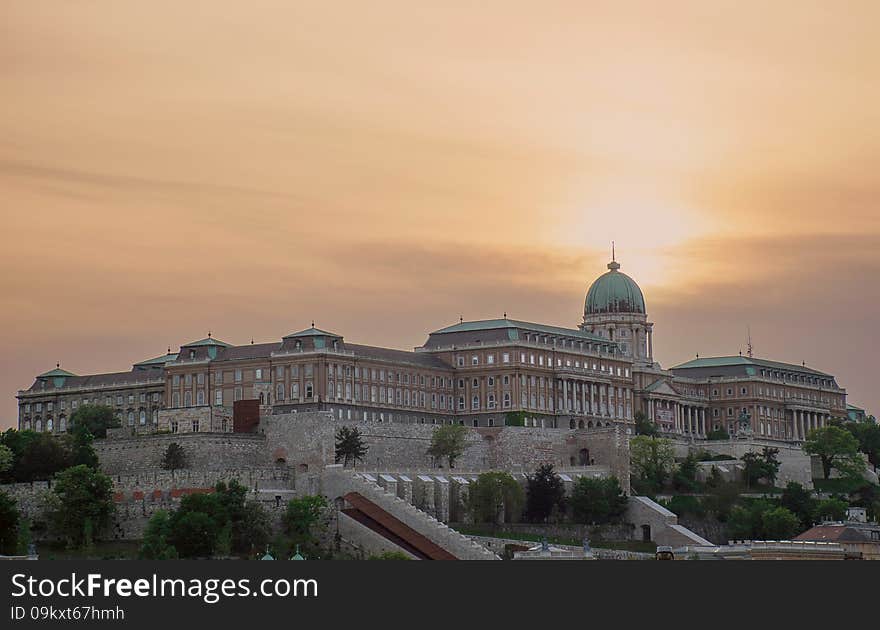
{"x": 839, "y": 485}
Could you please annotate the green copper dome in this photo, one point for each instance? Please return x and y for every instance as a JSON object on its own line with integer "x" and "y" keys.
{"x": 614, "y": 292}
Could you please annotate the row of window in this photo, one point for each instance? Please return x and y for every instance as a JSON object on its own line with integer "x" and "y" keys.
{"x": 108, "y": 400}
{"x": 539, "y": 360}
{"x": 773, "y": 392}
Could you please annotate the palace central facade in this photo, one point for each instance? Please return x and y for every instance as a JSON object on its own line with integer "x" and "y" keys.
{"x": 479, "y": 373}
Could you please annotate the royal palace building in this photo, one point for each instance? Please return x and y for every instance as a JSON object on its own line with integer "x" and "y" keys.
{"x": 497, "y": 372}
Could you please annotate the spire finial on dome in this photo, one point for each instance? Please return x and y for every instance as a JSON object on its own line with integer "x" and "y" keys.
{"x": 613, "y": 265}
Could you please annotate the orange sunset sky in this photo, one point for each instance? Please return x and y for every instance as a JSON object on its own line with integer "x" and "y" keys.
{"x": 169, "y": 168}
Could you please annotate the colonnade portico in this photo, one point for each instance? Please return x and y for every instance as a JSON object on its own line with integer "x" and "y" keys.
{"x": 686, "y": 418}
{"x": 804, "y": 421}
{"x": 595, "y": 398}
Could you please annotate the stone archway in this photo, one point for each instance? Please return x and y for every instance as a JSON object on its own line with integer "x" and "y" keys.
{"x": 646, "y": 533}
{"x": 584, "y": 457}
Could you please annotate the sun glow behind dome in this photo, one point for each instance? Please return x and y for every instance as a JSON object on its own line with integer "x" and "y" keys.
{"x": 647, "y": 230}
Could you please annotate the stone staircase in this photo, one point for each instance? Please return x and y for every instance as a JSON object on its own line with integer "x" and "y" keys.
{"x": 337, "y": 482}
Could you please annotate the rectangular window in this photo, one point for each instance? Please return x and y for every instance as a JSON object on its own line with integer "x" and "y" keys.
{"x": 238, "y": 377}
{"x": 218, "y": 396}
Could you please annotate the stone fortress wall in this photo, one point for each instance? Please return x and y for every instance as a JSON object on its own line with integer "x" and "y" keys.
{"x": 306, "y": 442}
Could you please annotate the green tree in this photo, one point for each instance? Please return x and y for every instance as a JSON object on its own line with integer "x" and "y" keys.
{"x": 644, "y": 426}
{"x": 756, "y": 466}
{"x": 83, "y": 506}
{"x": 771, "y": 463}
{"x": 494, "y": 494}
{"x": 722, "y": 496}
{"x": 651, "y": 460}
{"x": 832, "y": 509}
{"x": 24, "y": 537}
{"x": 448, "y": 441}
{"x": 156, "y": 544}
{"x": 7, "y": 458}
{"x": 717, "y": 434}
{"x": 194, "y": 533}
{"x": 95, "y": 418}
{"x": 838, "y": 450}
{"x": 746, "y": 519}
{"x": 868, "y": 436}
{"x": 800, "y": 502}
{"x": 174, "y": 457}
{"x": 41, "y": 457}
{"x": 779, "y": 524}
{"x": 597, "y": 500}
{"x": 546, "y": 494}
{"x": 8, "y": 525}
{"x": 303, "y": 519}
{"x": 249, "y": 524}
{"x": 350, "y": 447}
{"x": 79, "y": 444}
{"x": 684, "y": 478}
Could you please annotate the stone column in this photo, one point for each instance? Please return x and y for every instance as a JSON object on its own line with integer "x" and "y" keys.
{"x": 584, "y": 397}
{"x": 564, "y": 394}
{"x": 592, "y": 399}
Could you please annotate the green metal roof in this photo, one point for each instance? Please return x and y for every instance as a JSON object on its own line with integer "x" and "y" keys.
{"x": 207, "y": 341}
{"x": 158, "y": 360}
{"x": 57, "y": 372}
{"x": 312, "y": 332}
{"x": 614, "y": 292}
{"x": 709, "y": 362}
{"x": 850, "y": 407}
{"x": 494, "y": 324}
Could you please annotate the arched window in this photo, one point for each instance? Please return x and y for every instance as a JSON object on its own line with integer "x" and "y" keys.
{"x": 175, "y": 400}
{"x": 39, "y": 425}
{"x": 143, "y": 417}
{"x": 187, "y": 399}
{"x": 279, "y": 392}
{"x": 200, "y": 397}
{"x": 62, "y": 424}
{"x": 49, "y": 425}
{"x": 131, "y": 418}
{"x": 155, "y": 416}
